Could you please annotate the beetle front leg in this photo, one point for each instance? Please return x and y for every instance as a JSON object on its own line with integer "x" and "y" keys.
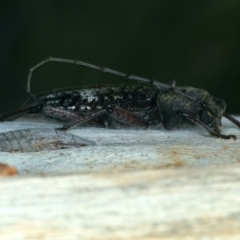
{"x": 204, "y": 126}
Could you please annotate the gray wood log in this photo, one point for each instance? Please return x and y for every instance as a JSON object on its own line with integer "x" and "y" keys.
{"x": 193, "y": 203}
{"x": 122, "y": 188}
{"x": 126, "y": 149}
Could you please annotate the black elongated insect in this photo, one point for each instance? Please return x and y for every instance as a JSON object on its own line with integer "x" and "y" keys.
{"x": 146, "y": 104}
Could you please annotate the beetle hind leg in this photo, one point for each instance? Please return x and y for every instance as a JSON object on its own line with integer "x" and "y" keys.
{"x": 19, "y": 113}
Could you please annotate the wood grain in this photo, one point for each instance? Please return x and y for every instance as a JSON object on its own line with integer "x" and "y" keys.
{"x": 145, "y": 204}
{"x": 133, "y": 185}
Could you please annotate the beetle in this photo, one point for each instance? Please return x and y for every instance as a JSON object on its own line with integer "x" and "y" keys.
{"x": 140, "y": 105}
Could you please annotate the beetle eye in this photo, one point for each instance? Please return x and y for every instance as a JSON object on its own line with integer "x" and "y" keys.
{"x": 205, "y": 117}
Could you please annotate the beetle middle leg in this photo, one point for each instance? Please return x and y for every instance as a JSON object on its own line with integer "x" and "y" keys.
{"x": 120, "y": 115}
{"x": 74, "y": 118}
{"x": 126, "y": 117}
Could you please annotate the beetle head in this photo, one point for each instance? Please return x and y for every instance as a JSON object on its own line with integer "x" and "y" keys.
{"x": 194, "y": 102}
{"x": 212, "y": 112}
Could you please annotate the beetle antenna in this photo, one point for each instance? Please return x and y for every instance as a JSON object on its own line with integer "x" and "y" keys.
{"x": 102, "y": 69}
{"x": 30, "y": 76}
{"x": 111, "y": 71}
{"x": 121, "y": 74}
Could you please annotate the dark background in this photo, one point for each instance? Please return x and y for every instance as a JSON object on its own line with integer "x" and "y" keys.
{"x": 197, "y": 43}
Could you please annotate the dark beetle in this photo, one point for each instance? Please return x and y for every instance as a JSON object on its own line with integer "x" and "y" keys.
{"x": 143, "y": 105}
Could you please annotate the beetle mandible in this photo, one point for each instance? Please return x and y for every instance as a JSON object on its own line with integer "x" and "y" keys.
{"x": 141, "y": 105}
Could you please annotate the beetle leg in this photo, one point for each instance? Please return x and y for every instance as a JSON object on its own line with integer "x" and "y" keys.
{"x": 126, "y": 117}
{"x": 16, "y": 114}
{"x": 76, "y": 119}
{"x": 232, "y": 119}
{"x": 120, "y": 115}
{"x": 204, "y": 126}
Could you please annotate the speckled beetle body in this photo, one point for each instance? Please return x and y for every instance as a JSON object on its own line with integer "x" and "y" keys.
{"x": 142, "y": 105}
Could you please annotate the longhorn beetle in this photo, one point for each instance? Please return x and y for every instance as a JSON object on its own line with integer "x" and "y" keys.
{"x": 146, "y": 104}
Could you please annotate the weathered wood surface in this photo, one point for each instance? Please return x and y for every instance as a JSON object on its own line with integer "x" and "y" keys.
{"x": 180, "y": 184}
{"x": 201, "y": 203}
{"x": 126, "y": 149}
